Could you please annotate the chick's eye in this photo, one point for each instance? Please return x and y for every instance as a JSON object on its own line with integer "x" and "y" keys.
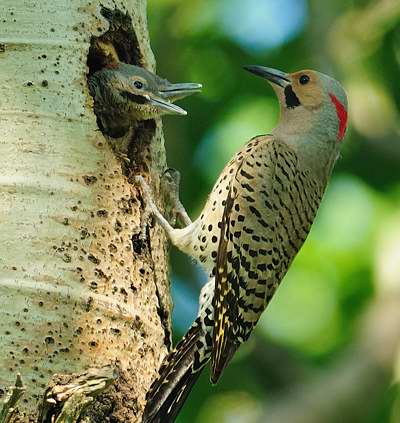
{"x": 138, "y": 85}
{"x": 304, "y": 79}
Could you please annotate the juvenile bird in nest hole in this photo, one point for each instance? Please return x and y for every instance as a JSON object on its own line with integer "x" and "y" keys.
{"x": 126, "y": 94}
{"x": 253, "y": 224}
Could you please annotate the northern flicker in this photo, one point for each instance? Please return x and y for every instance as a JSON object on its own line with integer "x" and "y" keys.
{"x": 126, "y": 94}
{"x": 255, "y": 220}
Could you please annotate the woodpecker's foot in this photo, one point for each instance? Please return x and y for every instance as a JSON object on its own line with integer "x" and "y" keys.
{"x": 123, "y": 157}
{"x": 170, "y": 187}
{"x": 150, "y": 208}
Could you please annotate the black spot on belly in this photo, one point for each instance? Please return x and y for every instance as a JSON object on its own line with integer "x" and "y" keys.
{"x": 291, "y": 98}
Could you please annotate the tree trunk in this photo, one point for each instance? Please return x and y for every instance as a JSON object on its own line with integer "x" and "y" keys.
{"x": 80, "y": 295}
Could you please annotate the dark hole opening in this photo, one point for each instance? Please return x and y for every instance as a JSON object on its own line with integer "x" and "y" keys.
{"x": 118, "y": 43}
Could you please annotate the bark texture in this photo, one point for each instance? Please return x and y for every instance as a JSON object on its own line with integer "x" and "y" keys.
{"x": 78, "y": 289}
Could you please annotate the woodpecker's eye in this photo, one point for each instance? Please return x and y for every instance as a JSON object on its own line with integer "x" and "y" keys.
{"x": 304, "y": 79}
{"x": 138, "y": 85}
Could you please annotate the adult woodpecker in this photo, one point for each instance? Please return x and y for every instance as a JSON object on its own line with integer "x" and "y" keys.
{"x": 256, "y": 219}
{"x": 126, "y": 94}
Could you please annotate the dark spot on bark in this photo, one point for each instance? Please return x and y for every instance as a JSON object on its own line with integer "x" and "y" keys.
{"x": 89, "y": 179}
{"x": 138, "y": 244}
{"x": 117, "y": 226}
{"x": 102, "y": 213}
{"x": 93, "y": 259}
{"x": 49, "y": 340}
{"x": 67, "y": 258}
{"x": 112, "y": 248}
{"x": 89, "y": 304}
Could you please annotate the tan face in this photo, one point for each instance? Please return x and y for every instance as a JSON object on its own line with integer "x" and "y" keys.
{"x": 308, "y": 88}
{"x": 307, "y": 97}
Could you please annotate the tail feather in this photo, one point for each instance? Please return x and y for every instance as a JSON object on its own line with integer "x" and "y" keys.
{"x": 178, "y": 374}
{"x": 219, "y": 364}
{"x": 172, "y": 404}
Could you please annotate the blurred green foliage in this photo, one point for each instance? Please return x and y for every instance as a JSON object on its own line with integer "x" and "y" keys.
{"x": 314, "y": 315}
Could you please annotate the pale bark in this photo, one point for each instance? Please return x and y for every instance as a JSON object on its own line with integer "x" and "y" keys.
{"x": 75, "y": 291}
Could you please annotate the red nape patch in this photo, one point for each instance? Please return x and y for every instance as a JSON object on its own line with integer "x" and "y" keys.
{"x": 342, "y": 116}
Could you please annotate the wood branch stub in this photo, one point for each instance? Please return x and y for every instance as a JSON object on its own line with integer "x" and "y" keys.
{"x": 66, "y": 397}
{"x": 9, "y": 409}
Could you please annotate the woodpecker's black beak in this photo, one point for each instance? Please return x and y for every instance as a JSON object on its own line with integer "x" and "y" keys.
{"x": 173, "y": 92}
{"x": 272, "y": 75}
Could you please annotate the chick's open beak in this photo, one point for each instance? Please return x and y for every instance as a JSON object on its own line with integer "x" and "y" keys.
{"x": 175, "y": 92}
{"x": 272, "y": 75}
{"x": 165, "y": 106}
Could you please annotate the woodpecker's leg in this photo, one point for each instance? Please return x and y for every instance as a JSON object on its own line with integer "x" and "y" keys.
{"x": 170, "y": 186}
{"x": 150, "y": 208}
{"x": 177, "y": 236}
